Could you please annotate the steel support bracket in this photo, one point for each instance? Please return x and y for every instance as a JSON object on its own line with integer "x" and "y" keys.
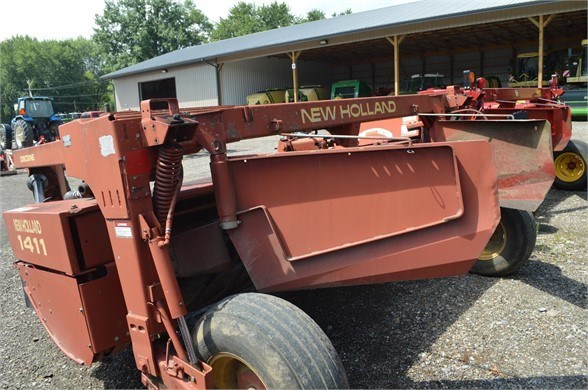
{"x": 140, "y": 333}
{"x": 157, "y": 126}
{"x": 201, "y": 375}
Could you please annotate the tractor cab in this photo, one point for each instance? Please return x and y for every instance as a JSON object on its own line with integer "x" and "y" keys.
{"x": 35, "y": 107}
{"x": 421, "y": 82}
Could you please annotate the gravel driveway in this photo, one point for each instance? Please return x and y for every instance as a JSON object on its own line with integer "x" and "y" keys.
{"x": 461, "y": 332}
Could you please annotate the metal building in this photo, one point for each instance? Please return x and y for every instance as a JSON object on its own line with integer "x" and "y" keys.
{"x": 381, "y": 47}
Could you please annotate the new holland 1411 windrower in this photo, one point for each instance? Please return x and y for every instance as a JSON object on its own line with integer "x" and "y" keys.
{"x": 125, "y": 258}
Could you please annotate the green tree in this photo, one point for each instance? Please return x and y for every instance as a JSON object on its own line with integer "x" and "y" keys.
{"x": 275, "y": 15}
{"x": 241, "y": 20}
{"x": 247, "y": 18}
{"x": 131, "y": 31}
{"x": 346, "y": 12}
{"x": 66, "y": 70}
{"x": 313, "y": 15}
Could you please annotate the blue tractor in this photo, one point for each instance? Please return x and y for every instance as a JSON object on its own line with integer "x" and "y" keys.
{"x": 35, "y": 122}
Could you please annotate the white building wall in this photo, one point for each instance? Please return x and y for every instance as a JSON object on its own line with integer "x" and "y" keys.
{"x": 195, "y": 86}
{"x": 242, "y": 78}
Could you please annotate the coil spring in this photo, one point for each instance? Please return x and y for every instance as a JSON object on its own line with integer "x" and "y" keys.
{"x": 167, "y": 177}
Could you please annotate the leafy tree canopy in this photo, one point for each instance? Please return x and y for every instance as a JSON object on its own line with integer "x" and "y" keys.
{"x": 346, "y": 12}
{"x": 314, "y": 14}
{"x": 131, "y": 31}
{"x": 65, "y": 70}
{"x": 247, "y": 18}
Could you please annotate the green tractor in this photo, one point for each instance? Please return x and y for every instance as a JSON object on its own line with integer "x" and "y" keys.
{"x": 35, "y": 122}
{"x": 576, "y": 84}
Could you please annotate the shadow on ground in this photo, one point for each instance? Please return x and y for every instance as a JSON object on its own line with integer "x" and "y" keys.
{"x": 379, "y": 331}
{"x": 549, "y": 279}
{"x": 547, "y": 211}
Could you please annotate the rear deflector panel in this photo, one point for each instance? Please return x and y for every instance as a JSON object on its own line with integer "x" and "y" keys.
{"x": 522, "y": 152}
{"x": 422, "y": 224}
{"x": 321, "y": 202}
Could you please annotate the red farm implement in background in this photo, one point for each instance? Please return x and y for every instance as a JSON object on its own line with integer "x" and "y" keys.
{"x": 569, "y": 155}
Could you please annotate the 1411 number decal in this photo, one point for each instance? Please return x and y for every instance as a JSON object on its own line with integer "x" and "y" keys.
{"x": 35, "y": 245}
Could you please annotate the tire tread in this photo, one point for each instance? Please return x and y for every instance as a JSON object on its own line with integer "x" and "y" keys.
{"x": 301, "y": 344}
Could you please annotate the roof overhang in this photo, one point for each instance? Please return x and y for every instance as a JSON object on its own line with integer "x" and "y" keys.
{"x": 473, "y": 25}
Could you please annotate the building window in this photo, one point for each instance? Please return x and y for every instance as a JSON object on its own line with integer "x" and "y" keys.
{"x": 164, "y": 88}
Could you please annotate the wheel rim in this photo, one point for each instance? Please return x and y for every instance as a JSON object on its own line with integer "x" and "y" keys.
{"x": 495, "y": 245}
{"x": 231, "y": 372}
{"x": 19, "y": 136}
{"x": 569, "y": 167}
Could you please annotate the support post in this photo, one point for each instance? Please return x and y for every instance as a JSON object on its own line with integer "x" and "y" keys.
{"x": 396, "y": 41}
{"x": 219, "y": 85}
{"x": 294, "y": 57}
{"x": 540, "y": 24}
{"x": 217, "y": 74}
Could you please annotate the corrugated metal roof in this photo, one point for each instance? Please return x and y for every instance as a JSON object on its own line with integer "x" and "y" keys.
{"x": 394, "y": 16}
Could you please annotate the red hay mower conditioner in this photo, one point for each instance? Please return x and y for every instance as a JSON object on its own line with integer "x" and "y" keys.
{"x": 127, "y": 256}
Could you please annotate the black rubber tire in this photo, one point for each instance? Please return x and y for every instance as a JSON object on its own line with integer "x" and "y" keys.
{"x": 282, "y": 345}
{"x": 520, "y": 229}
{"x": 5, "y": 136}
{"x": 579, "y": 149}
{"x": 23, "y": 134}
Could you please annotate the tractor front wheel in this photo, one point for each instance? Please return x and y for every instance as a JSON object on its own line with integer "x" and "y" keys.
{"x": 510, "y": 246}
{"x": 259, "y": 341}
{"x": 23, "y": 134}
{"x": 570, "y": 166}
{"x": 5, "y": 137}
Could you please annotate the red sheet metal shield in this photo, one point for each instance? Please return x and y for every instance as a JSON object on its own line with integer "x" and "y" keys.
{"x": 326, "y": 201}
{"x": 559, "y": 117}
{"x": 83, "y": 318}
{"x": 522, "y": 152}
{"x": 311, "y": 219}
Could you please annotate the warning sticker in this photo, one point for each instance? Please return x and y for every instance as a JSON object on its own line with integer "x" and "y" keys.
{"x": 123, "y": 230}
{"x": 106, "y": 145}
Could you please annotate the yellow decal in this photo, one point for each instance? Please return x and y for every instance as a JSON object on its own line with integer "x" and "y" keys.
{"x": 27, "y": 226}
{"x": 34, "y": 245}
{"x": 27, "y": 158}
{"x": 26, "y": 242}
{"x": 346, "y": 111}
